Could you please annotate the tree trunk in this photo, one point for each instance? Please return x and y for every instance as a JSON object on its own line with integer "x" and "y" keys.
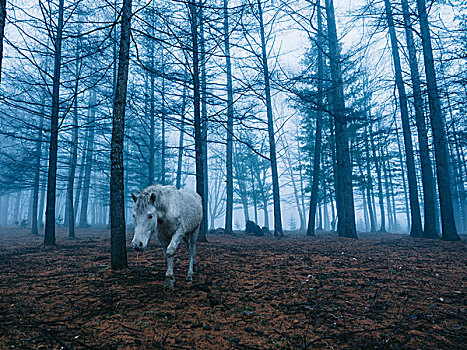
{"x": 152, "y": 122}
{"x": 40, "y": 215}
{"x": 416, "y": 224}
{"x": 404, "y": 186}
{"x": 16, "y": 219}
{"x": 49, "y": 237}
{"x": 369, "y": 186}
{"x": 253, "y": 194}
{"x": 319, "y": 116}
{"x": 71, "y": 176}
{"x": 180, "y": 142}
{"x": 6, "y": 207}
{"x": 163, "y": 117}
{"x": 380, "y": 182}
{"x": 83, "y": 217}
{"x": 37, "y": 175}
{"x": 265, "y": 213}
{"x": 325, "y": 205}
{"x": 449, "y": 231}
{"x": 204, "y": 110}
{"x": 69, "y": 215}
{"x": 393, "y": 200}
{"x": 2, "y": 31}
{"x": 230, "y": 119}
{"x": 344, "y": 188}
{"x": 246, "y": 212}
{"x": 386, "y": 186}
{"x": 200, "y": 188}
{"x": 117, "y": 192}
{"x": 429, "y": 230}
{"x": 79, "y": 186}
{"x": 302, "y": 190}
{"x": 272, "y": 142}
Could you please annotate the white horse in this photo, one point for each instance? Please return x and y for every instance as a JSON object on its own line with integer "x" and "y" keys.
{"x": 174, "y": 215}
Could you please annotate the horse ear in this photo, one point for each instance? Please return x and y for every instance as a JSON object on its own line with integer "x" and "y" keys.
{"x": 133, "y": 196}
{"x": 153, "y": 198}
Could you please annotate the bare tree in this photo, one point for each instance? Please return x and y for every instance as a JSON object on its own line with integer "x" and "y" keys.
{"x": 344, "y": 191}
{"x": 117, "y": 192}
{"x": 230, "y": 120}
{"x": 2, "y": 31}
{"x": 272, "y": 141}
{"x": 319, "y": 127}
{"x": 416, "y": 223}
{"x": 429, "y": 229}
{"x": 200, "y": 188}
{"x": 49, "y": 237}
{"x": 449, "y": 231}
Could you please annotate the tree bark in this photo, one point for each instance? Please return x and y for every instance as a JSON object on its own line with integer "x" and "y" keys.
{"x": 49, "y": 237}
{"x": 230, "y": 120}
{"x": 178, "y": 182}
{"x": 416, "y": 220}
{"x": 37, "y": 174}
{"x": 380, "y": 182}
{"x": 272, "y": 142}
{"x": 344, "y": 189}
{"x": 404, "y": 185}
{"x": 429, "y": 230}
{"x": 204, "y": 112}
{"x": 319, "y": 127}
{"x": 69, "y": 215}
{"x": 369, "y": 186}
{"x": 2, "y": 31}
{"x": 117, "y": 192}
{"x": 449, "y": 231}
{"x": 16, "y": 216}
{"x": 79, "y": 186}
{"x": 83, "y": 217}
{"x": 386, "y": 186}
{"x": 163, "y": 123}
{"x": 152, "y": 122}
{"x": 200, "y": 188}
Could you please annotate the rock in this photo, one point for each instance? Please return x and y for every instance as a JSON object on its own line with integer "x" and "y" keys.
{"x": 207, "y": 327}
{"x": 217, "y": 231}
{"x": 249, "y": 329}
{"x": 260, "y": 332}
{"x": 213, "y": 301}
{"x": 201, "y": 287}
{"x": 253, "y": 229}
{"x": 217, "y": 328}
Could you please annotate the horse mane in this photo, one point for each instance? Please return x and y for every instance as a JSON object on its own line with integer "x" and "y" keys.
{"x": 143, "y": 199}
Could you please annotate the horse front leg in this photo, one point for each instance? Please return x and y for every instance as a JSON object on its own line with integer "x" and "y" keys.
{"x": 169, "y": 256}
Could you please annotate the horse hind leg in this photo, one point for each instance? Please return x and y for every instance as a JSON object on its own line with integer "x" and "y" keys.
{"x": 192, "y": 251}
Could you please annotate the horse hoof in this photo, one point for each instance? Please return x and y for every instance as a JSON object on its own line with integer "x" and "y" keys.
{"x": 189, "y": 278}
{"x": 169, "y": 284}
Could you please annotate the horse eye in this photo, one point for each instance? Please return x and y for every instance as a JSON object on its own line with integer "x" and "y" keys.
{"x": 149, "y": 216}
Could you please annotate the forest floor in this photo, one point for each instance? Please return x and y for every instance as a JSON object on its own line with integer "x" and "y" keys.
{"x": 381, "y": 291}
